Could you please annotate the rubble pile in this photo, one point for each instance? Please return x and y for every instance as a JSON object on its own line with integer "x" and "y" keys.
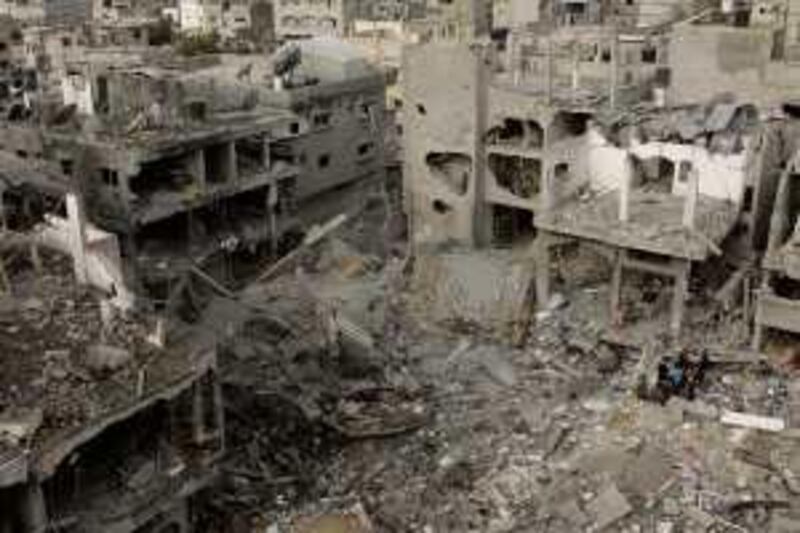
{"x": 548, "y": 435}
{"x": 60, "y": 356}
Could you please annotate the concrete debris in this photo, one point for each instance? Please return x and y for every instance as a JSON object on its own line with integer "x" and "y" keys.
{"x": 315, "y": 267}
{"x": 763, "y": 423}
{"x": 103, "y": 358}
{"x": 609, "y": 507}
{"x": 20, "y": 426}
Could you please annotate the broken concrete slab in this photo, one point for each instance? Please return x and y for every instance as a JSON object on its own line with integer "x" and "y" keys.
{"x": 609, "y": 507}
{"x": 104, "y": 358}
{"x": 499, "y": 368}
{"x": 764, "y": 423}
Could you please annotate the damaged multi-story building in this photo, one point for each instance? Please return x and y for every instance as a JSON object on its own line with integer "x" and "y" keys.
{"x": 591, "y": 129}
{"x": 187, "y": 171}
{"x": 102, "y": 426}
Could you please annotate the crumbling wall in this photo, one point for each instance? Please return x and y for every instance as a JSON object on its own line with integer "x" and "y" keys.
{"x": 721, "y": 176}
{"x": 100, "y": 258}
{"x": 439, "y": 117}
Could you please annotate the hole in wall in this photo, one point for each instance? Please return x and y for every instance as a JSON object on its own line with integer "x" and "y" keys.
{"x": 441, "y": 207}
{"x": 451, "y": 169}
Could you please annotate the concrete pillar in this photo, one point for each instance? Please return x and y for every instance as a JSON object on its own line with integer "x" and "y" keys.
{"x": 680, "y": 292}
{"x": 266, "y": 160}
{"x": 197, "y": 167}
{"x": 548, "y": 197}
{"x": 231, "y": 170}
{"x": 481, "y": 213}
{"x": 576, "y": 75}
{"x": 219, "y": 413}
{"x": 690, "y": 204}
{"x": 614, "y": 66}
{"x": 34, "y": 509}
{"x": 198, "y": 413}
{"x": 272, "y": 206}
{"x": 549, "y": 69}
{"x": 625, "y": 193}
{"x": 758, "y": 329}
{"x": 5, "y": 282}
{"x": 77, "y": 236}
{"x": 616, "y": 289}
{"x": 36, "y": 258}
{"x": 542, "y": 257}
{"x": 515, "y": 60}
{"x": 3, "y": 222}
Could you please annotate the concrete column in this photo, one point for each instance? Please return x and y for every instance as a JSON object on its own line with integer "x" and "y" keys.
{"x": 231, "y": 170}
{"x": 616, "y": 288}
{"x": 542, "y": 257}
{"x": 36, "y": 258}
{"x": 515, "y": 60}
{"x": 266, "y": 160}
{"x": 197, "y": 167}
{"x": 549, "y": 69}
{"x": 5, "y": 282}
{"x": 3, "y": 222}
{"x": 77, "y": 236}
{"x": 614, "y": 65}
{"x": 34, "y": 510}
{"x": 690, "y": 205}
{"x": 272, "y": 206}
{"x": 625, "y": 193}
{"x": 548, "y": 197}
{"x": 758, "y": 329}
{"x": 219, "y": 413}
{"x": 680, "y": 292}
{"x": 576, "y": 75}
{"x": 198, "y": 413}
{"x": 481, "y": 213}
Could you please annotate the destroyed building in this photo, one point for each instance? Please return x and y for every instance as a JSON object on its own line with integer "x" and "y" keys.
{"x": 526, "y": 164}
{"x": 101, "y": 427}
{"x": 216, "y": 317}
{"x": 185, "y": 171}
{"x": 512, "y": 125}
{"x": 775, "y": 300}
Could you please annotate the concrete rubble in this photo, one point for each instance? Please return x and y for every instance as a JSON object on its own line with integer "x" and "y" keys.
{"x": 362, "y": 267}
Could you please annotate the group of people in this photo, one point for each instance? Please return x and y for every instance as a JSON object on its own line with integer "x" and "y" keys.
{"x": 679, "y": 376}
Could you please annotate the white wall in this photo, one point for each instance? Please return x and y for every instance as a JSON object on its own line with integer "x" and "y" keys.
{"x": 192, "y": 15}
{"x": 77, "y": 90}
{"x": 103, "y": 258}
{"x": 720, "y": 176}
{"x": 606, "y": 164}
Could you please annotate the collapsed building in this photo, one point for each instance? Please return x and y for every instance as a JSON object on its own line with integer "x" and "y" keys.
{"x": 101, "y": 428}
